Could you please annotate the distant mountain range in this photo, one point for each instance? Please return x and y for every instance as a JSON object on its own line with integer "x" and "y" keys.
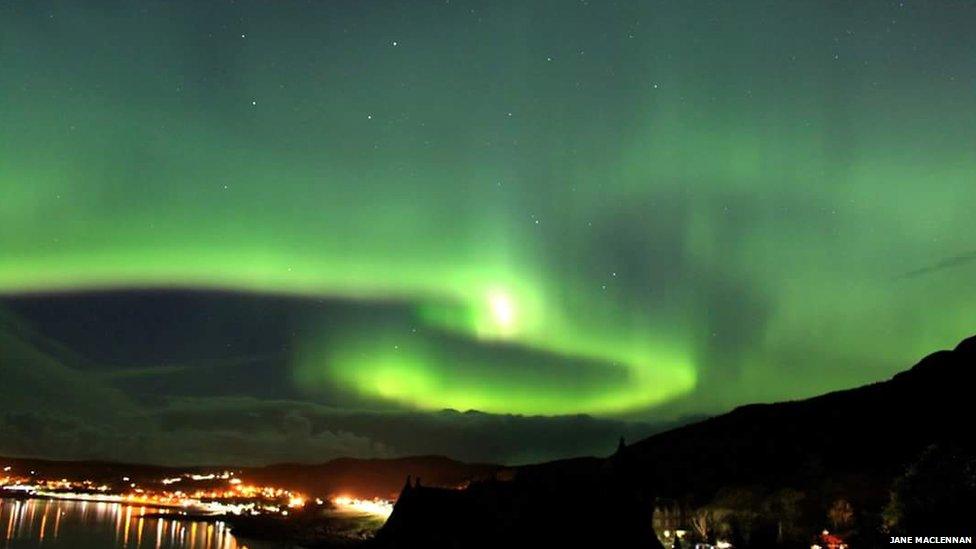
{"x": 878, "y": 459}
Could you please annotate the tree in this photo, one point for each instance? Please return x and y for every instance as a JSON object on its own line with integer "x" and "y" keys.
{"x": 737, "y": 514}
{"x": 701, "y": 521}
{"x": 840, "y": 515}
{"x": 785, "y": 507}
{"x": 936, "y": 493}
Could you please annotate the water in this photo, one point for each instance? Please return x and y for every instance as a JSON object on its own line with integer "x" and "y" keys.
{"x": 58, "y": 524}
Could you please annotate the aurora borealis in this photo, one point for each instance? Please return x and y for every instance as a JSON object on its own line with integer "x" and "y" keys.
{"x": 634, "y": 211}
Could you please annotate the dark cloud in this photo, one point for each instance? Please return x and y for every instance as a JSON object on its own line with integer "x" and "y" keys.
{"x": 70, "y": 437}
{"x": 953, "y": 262}
{"x": 35, "y": 381}
{"x": 55, "y": 407}
{"x": 247, "y": 431}
{"x": 59, "y": 436}
{"x": 469, "y": 436}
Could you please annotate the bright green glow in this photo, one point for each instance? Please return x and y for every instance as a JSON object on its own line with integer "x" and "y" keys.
{"x": 697, "y": 213}
{"x": 504, "y": 312}
{"x": 436, "y": 374}
{"x": 415, "y": 383}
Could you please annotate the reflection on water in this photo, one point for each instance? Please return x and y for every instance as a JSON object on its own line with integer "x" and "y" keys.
{"x": 90, "y": 525}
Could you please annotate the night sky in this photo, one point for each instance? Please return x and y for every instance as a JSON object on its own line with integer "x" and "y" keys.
{"x": 507, "y": 231}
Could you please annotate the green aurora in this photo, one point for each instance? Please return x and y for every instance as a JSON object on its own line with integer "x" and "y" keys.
{"x": 647, "y": 208}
